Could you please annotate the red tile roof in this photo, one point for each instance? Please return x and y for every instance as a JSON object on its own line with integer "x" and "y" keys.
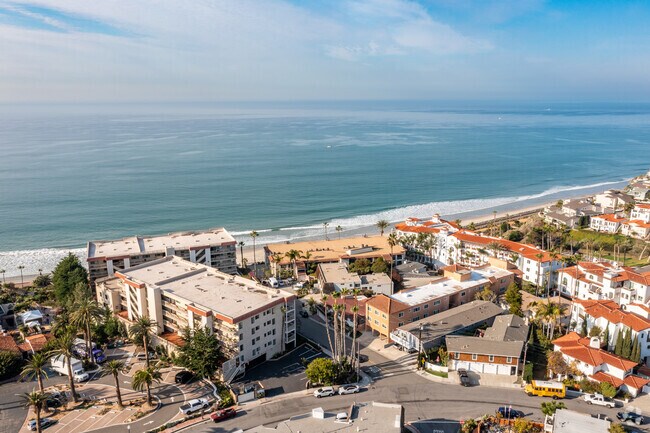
{"x": 643, "y": 205}
{"x": 7, "y": 343}
{"x": 350, "y": 302}
{"x": 636, "y": 382}
{"x": 37, "y": 342}
{"x": 612, "y": 312}
{"x": 609, "y": 217}
{"x": 574, "y": 346}
{"x": 524, "y": 250}
{"x": 386, "y": 304}
{"x": 601, "y": 376}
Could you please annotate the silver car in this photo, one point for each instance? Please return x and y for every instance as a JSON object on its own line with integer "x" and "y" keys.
{"x": 325, "y": 391}
{"x": 349, "y": 389}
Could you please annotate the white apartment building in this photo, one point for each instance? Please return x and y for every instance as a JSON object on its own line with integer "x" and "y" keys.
{"x": 606, "y": 223}
{"x": 641, "y": 212}
{"x": 636, "y": 229}
{"x": 609, "y": 315}
{"x": 335, "y": 276}
{"x": 253, "y": 322}
{"x": 215, "y": 248}
{"x": 613, "y": 200}
{"x": 570, "y": 212}
{"x": 605, "y": 281}
{"x": 414, "y": 232}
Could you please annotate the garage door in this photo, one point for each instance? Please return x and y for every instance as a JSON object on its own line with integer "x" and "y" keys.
{"x": 490, "y": 368}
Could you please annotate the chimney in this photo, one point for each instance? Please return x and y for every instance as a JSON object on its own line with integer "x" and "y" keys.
{"x": 594, "y": 343}
{"x": 436, "y": 218}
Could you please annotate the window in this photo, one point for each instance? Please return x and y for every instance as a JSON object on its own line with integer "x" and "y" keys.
{"x": 509, "y": 360}
{"x": 383, "y": 325}
{"x": 241, "y": 347}
{"x": 383, "y": 316}
{"x": 456, "y": 355}
{"x": 376, "y": 322}
{"x": 474, "y": 357}
{"x": 425, "y": 315}
{"x": 400, "y": 324}
{"x": 253, "y": 331}
{"x": 241, "y": 337}
{"x": 462, "y": 293}
{"x": 416, "y": 318}
{"x": 436, "y": 302}
{"x": 416, "y": 309}
{"x": 426, "y": 306}
{"x": 491, "y": 358}
{"x": 400, "y": 315}
{"x": 253, "y": 342}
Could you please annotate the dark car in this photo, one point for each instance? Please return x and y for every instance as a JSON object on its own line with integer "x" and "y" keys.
{"x": 223, "y": 414}
{"x": 53, "y": 402}
{"x": 464, "y": 377}
{"x": 630, "y": 417}
{"x": 508, "y": 412}
{"x": 183, "y": 377}
{"x": 363, "y": 358}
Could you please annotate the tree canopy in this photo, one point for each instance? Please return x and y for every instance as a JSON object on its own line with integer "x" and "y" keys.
{"x": 379, "y": 266}
{"x": 9, "y": 364}
{"x": 514, "y": 299}
{"x": 67, "y": 275}
{"x": 321, "y": 371}
{"x": 360, "y": 266}
{"x": 201, "y": 353}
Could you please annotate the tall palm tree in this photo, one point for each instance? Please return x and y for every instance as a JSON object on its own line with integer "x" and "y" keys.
{"x": 115, "y": 367}
{"x": 141, "y": 331}
{"x": 22, "y": 281}
{"x": 35, "y": 368}
{"x": 143, "y": 379}
{"x": 2, "y": 271}
{"x": 382, "y": 225}
{"x": 293, "y": 256}
{"x": 85, "y": 314}
{"x": 539, "y": 256}
{"x": 327, "y": 323}
{"x": 241, "y": 253}
{"x": 254, "y": 236}
{"x": 392, "y": 241}
{"x": 336, "y": 296}
{"x": 339, "y": 229}
{"x": 36, "y": 400}
{"x": 64, "y": 346}
{"x": 344, "y": 294}
{"x": 325, "y": 226}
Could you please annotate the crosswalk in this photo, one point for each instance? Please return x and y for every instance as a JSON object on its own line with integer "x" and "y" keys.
{"x": 389, "y": 368}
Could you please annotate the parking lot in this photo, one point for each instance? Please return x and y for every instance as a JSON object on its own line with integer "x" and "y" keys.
{"x": 283, "y": 375}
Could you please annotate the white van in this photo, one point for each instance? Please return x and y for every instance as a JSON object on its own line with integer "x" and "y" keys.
{"x": 273, "y": 282}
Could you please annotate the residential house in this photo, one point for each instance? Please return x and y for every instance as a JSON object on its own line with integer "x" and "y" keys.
{"x": 604, "y": 280}
{"x": 597, "y": 364}
{"x": 499, "y": 351}
{"x": 8, "y": 344}
{"x": 35, "y": 343}
{"x": 344, "y": 251}
{"x": 607, "y": 223}
{"x": 458, "y": 286}
{"x": 641, "y": 212}
{"x": 430, "y": 332}
{"x": 569, "y": 421}
{"x": 570, "y": 213}
{"x": 636, "y": 229}
{"x": 608, "y": 315}
{"x": 253, "y": 322}
{"x": 336, "y": 277}
{"x": 612, "y": 200}
{"x": 215, "y": 248}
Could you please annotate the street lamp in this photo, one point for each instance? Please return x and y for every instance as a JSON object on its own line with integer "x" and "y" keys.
{"x": 420, "y": 344}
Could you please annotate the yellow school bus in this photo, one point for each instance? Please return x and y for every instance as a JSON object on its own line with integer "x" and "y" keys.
{"x": 545, "y": 388}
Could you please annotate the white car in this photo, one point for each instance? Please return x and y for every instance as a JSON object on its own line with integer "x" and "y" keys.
{"x": 599, "y": 400}
{"x": 194, "y": 405}
{"x": 349, "y": 389}
{"x": 325, "y": 391}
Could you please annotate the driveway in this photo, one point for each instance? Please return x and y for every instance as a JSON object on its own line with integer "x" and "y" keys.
{"x": 283, "y": 375}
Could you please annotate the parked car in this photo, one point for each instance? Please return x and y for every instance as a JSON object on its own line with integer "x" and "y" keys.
{"x": 600, "y": 400}
{"x": 601, "y": 416}
{"x": 509, "y": 412}
{"x": 630, "y": 417}
{"x": 194, "y": 405}
{"x": 183, "y": 377}
{"x": 349, "y": 389}
{"x": 363, "y": 358}
{"x": 464, "y": 377}
{"x": 53, "y": 402}
{"x": 325, "y": 391}
{"x": 45, "y": 423}
{"x": 223, "y": 414}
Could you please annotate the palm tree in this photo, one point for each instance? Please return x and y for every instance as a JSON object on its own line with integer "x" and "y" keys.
{"x": 64, "y": 346}
{"x": 325, "y": 226}
{"x": 22, "y": 281}
{"x": 382, "y": 225}
{"x": 254, "y": 235}
{"x": 143, "y": 379}
{"x": 35, "y": 368}
{"x": 115, "y": 367}
{"x": 539, "y": 256}
{"x": 293, "y": 255}
{"x": 36, "y": 400}
{"x": 276, "y": 258}
{"x": 86, "y": 313}
{"x": 344, "y": 294}
{"x": 141, "y": 331}
{"x": 241, "y": 253}
{"x": 2, "y": 271}
{"x": 339, "y": 229}
{"x": 327, "y": 323}
{"x": 392, "y": 241}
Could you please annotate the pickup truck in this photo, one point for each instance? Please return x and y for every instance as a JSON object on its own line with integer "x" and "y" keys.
{"x": 600, "y": 400}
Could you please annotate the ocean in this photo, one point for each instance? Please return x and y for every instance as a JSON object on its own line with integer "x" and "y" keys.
{"x": 70, "y": 174}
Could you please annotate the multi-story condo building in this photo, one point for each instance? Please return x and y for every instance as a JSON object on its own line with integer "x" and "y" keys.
{"x": 641, "y": 212}
{"x": 252, "y": 321}
{"x": 609, "y": 316}
{"x": 612, "y": 200}
{"x": 607, "y": 223}
{"x": 447, "y": 244}
{"x": 636, "y": 229}
{"x": 570, "y": 212}
{"x": 215, "y": 248}
{"x": 336, "y": 277}
{"x": 458, "y": 286}
{"x": 605, "y": 281}
{"x": 344, "y": 251}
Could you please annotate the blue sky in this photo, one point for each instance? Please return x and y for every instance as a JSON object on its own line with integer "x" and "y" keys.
{"x": 220, "y": 50}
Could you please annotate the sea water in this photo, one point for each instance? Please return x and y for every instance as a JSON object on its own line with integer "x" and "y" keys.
{"x": 70, "y": 174}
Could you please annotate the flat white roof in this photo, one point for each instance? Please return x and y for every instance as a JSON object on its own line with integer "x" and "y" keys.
{"x": 159, "y": 244}
{"x": 568, "y": 421}
{"x": 338, "y": 273}
{"x": 205, "y": 287}
{"x": 447, "y": 286}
